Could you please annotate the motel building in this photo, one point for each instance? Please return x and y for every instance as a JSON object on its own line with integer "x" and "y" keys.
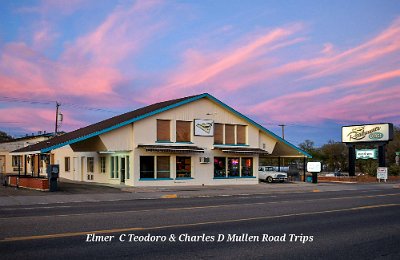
{"x": 14, "y": 164}
{"x": 193, "y": 140}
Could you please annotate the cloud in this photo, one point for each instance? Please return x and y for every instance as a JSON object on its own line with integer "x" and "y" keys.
{"x": 200, "y": 68}
{"x": 88, "y": 68}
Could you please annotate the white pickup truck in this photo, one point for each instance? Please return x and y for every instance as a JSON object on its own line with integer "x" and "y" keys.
{"x": 268, "y": 173}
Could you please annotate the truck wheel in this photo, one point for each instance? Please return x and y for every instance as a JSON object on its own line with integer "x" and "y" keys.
{"x": 269, "y": 179}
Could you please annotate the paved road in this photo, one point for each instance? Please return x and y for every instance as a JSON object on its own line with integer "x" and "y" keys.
{"x": 357, "y": 224}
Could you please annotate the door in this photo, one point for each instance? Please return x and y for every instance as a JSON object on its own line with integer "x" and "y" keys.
{"x": 122, "y": 169}
{"x": 75, "y": 172}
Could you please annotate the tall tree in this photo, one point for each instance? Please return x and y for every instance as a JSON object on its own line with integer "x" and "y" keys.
{"x": 4, "y": 137}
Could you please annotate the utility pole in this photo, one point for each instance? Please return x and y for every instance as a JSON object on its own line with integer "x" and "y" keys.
{"x": 283, "y": 131}
{"x": 56, "y": 128}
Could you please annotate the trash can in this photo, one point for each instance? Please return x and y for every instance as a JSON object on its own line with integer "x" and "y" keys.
{"x": 52, "y": 174}
{"x": 309, "y": 179}
{"x": 314, "y": 177}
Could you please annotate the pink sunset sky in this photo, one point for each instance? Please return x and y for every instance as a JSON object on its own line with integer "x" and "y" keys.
{"x": 311, "y": 65}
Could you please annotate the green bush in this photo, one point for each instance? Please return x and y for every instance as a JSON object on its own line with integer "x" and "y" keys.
{"x": 394, "y": 170}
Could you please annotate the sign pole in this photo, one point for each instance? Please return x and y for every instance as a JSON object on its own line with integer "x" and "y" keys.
{"x": 352, "y": 160}
{"x": 382, "y": 155}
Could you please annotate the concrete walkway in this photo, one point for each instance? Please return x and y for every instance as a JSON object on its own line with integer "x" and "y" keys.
{"x": 79, "y": 192}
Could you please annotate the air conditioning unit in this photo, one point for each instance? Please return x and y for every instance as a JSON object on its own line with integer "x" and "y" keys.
{"x": 204, "y": 159}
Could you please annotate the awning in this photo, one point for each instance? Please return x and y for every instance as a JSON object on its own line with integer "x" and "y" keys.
{"x": 171, "y": 148}
{"x": 242, "y": 150}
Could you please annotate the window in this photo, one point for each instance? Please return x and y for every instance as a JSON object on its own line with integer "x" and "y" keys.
{"x": 90, "y": 164}
{"x": 183, "y": 167}
{"x": 67, "y": 164}
{"x": 241, "y": 134}
{"x": 233, "y": 167}
{"x": 218, "y": 133}
{"x": 183, "y": 131}
{"x": 102, "y": 164}
{"x": 146, "y": 167}
{"x": 163, "y": 167}
{"x": 112, "y": 171}
{"x": 16, "y": 160}
{"x": 229, "y": 134}
{"x": 116, "y": 167}
{"x": 163, "y": 130}
{"x": 247, "y": 166}
{"x": 219, "y": 167}
{"x": 127, "y": 167}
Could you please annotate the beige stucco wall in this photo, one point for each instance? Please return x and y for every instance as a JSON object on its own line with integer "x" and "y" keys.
{"x": 124, "y": 141}
{"x": 78, "y": 166}
{"x": 120, "y": 139}
{"x": 145, "y": 132}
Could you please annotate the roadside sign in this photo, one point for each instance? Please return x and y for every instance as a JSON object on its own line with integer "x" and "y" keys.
{"x": 382, "y": 173}
{"x": 366, "y": 153}
{"x": 314, "y": 166}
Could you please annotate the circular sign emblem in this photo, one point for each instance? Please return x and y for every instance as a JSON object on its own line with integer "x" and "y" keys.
{"x": 375, "y": 136}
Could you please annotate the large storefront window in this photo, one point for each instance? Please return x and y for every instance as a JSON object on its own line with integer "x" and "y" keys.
{"x": 183, "y": 131}
{"x": 219, "y": 167}
{"x": 247, "y": 166}
{"x": 233, "y": 167}
{"x": 183, "y": 167}
{"x": 146, "y": 167}
{"x": 163, "y": 167}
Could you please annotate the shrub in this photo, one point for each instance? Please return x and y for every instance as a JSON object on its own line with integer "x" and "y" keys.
{"x": 394, "y": 169}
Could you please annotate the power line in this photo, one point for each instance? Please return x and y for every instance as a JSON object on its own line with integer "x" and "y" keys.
{"x": 51, "y": 102}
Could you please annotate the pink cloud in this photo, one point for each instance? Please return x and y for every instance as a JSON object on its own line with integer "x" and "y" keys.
{"x": 55, "y": 6}
{"x": 202, "y": 68}
{"x": 87, "y": 70}
{"x": 43, "y": 119}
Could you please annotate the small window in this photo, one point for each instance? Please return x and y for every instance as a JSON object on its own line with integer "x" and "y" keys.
{"x": 112, "y": 168}
{"x": 90, "y": 164}
{"x": 102, "y": 164}
{"x": 183, "y": 167}
{"x": 116, "y": 167}
{"x": 241, "y": 134}
{"x": 163, "y": 167}
{"x": 229, "y": 134}
{"x": 163, "y": 130}
{"x": 183, "y": 131}
{"x": 218, "y": 133}
{"x": 127, "y": 167}
{"x": 67, "y": 164}
{"x": 16, "y": 160}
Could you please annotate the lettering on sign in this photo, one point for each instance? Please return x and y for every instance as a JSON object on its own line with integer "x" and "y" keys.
{"x": 367, "y": 133}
